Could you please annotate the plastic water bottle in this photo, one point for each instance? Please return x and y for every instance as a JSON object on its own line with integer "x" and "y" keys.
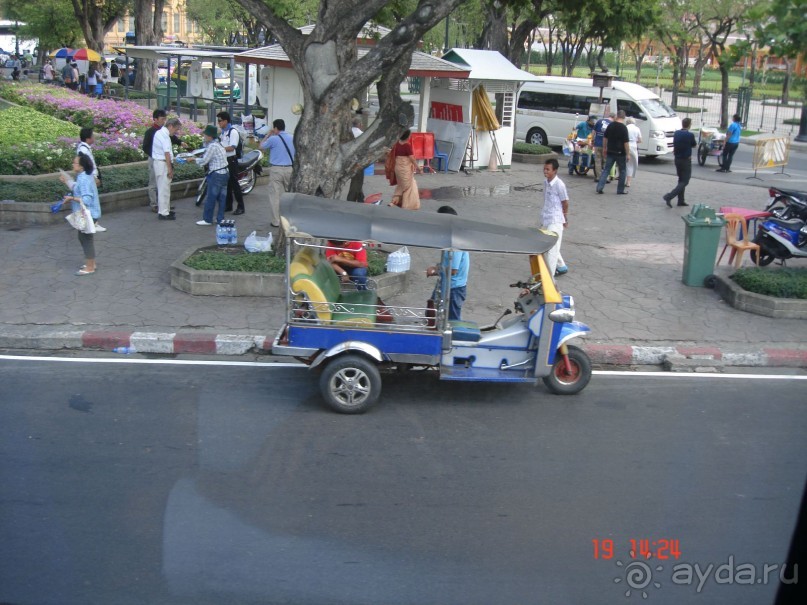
{"x": 233, "y": 234}
{"x": 221, "y": 234}
{"x": 124, "y": 350}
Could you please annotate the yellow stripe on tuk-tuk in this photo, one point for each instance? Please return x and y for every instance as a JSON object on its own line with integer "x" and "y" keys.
{"x": 539, "y": 269}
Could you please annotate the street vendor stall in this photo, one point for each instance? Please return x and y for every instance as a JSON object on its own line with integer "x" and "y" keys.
{"x": 459, "y": 112}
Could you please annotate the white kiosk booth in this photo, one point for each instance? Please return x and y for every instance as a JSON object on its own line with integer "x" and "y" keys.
{"x": 463, "y": 133}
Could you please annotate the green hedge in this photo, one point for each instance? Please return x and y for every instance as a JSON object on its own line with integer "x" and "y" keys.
{"x": 227, "y": 259}
{"x": 530, "y": 149}
{"x": 781, "y": 283}
{"x": 117, "y": 178}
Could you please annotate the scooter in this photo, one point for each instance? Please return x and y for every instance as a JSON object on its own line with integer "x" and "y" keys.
{"x": 249, "y": 169}
{"x": 787, "y": 203}
{"x": 780, "y": 239}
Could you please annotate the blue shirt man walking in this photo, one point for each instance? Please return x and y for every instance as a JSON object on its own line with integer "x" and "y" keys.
{"x": 683, "y": 144}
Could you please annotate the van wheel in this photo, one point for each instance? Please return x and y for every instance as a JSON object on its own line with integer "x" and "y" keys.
{"x": 350, "y": 384}
{"x": 536, "y": 136}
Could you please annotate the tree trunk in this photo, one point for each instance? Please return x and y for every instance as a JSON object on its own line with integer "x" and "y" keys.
{"x": 148, "y": 32}
{"x": 788, "y": 79}
{"x": 331, "y": 76}
{"x": 94, "y": 23}
{"x": 724, "y": 94}
{"x": 676, "y": 84}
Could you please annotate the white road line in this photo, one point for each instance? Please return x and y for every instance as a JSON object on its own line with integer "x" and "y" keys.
{"x": 177, "y": 362}
{"x": 696, "y": 375}
{"x": 269, "y": 364}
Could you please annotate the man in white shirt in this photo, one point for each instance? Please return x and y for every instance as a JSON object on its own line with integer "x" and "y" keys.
{"x": 162, "y": 153}
{"x": 553, "y": 215}
{"x": 230, "y": 138}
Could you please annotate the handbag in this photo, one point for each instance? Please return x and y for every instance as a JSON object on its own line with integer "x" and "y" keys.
{"x": 81, "y": 219}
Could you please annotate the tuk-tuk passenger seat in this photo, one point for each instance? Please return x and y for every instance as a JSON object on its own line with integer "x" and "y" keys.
{"x": 323, "y": 289}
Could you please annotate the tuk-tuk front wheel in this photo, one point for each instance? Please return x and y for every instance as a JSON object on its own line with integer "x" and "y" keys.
{"x": 572, "y": 378}
{"x": 350, "y": 383}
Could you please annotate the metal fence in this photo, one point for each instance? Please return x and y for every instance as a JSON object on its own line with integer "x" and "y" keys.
{"x": 766, "y": 115}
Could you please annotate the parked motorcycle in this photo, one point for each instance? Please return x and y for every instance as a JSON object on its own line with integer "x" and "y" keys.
{"x": 249, "y": 169}
{"x": 787, "y": 203}
{"x": 780, "y": 239}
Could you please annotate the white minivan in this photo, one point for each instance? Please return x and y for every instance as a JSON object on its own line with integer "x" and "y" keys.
{"x": 548, "y": 110}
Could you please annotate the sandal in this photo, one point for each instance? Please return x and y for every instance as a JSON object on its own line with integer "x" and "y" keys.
{"x": 83, "y": 272}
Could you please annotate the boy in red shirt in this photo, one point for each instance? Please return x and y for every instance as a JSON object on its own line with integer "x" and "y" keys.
{"x": 349, "y": 260}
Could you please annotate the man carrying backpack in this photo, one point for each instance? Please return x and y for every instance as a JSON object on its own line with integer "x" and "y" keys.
{"x": 233, "y": 145}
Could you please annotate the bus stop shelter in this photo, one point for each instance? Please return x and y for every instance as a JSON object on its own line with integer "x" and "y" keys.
{"x": 174, "y": 56}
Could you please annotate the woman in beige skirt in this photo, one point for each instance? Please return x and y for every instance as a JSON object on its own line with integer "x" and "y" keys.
{"x": 406, "y": 193}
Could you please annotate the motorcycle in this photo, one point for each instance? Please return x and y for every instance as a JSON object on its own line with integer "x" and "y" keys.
{"x": 787, "y": 203}
{"x": 780, "y": 239}
{"x": 249, "y": 169}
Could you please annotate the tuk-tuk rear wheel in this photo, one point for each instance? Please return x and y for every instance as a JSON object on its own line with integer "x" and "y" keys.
{"x": 350, "y": 384}
{"x": 561, "y": 381}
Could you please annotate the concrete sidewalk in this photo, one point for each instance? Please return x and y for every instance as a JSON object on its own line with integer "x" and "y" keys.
{"x": 624, "y": 253}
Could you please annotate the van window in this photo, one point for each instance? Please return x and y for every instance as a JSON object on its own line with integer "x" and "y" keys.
{"x": 631, "y": 109}
{"x": 656, "y": 108}
{"x": 554, "y": 101}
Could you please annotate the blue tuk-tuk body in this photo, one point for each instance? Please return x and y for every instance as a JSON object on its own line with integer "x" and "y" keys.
{"x": 350, "y": 333}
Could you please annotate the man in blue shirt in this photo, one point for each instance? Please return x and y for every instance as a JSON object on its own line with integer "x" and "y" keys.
{"x": 732, "y": 142}
{"x": 281, "y": 157}
{"x": 460, "y": 264}
{"x": 599, "y": 132}
{"x": 683, "y": 144}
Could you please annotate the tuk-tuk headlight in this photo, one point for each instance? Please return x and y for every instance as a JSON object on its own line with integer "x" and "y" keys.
{"x": 565, "y": 313}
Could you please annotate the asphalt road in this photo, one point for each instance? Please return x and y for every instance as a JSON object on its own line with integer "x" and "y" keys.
{"x": 794, "y": 177}
{"x": 141, "y": 483}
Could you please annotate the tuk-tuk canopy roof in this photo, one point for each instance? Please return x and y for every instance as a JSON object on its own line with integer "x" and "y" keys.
{"x": 310, "y": 216}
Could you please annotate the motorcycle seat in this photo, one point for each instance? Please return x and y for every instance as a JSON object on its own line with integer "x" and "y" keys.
{"x": 801, "y": 195}
{"x": 248, "y": 158}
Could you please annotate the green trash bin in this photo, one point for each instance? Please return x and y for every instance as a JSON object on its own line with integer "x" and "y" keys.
{"x": 701, "y": 238}
{"x": 162, "y": 96}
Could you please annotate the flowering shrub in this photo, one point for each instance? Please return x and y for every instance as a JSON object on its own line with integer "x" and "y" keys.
{"x": 33, "y": 143}
{"x": 104, "y": 115}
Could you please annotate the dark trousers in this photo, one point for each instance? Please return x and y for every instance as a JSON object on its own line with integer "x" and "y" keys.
{"x": 622, "y": 163}
{"x": 87, "y": 244}
{"x": 233, "y": 189}
{"x": 456, "y": 298}
{"x": 216, "y": 196}
{"x": 728, "y": 154}
{"x": 683, "y": 168}
{"x": 356, "y": 191}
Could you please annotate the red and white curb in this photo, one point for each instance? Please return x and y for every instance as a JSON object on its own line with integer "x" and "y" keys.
{"x": 203, "y": 343}
{"x": 630, "y": 355}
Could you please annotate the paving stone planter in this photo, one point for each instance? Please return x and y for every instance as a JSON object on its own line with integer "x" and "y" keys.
{"x": 759, "y": 304}
{"x": 239, "y": 283}
{"x": 529, "y": 158}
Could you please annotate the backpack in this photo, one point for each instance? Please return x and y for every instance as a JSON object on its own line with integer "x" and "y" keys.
{"x": 239, "y": 149}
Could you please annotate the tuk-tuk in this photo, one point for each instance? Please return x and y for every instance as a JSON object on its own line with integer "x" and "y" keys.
{"x": 351, "y": 335}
